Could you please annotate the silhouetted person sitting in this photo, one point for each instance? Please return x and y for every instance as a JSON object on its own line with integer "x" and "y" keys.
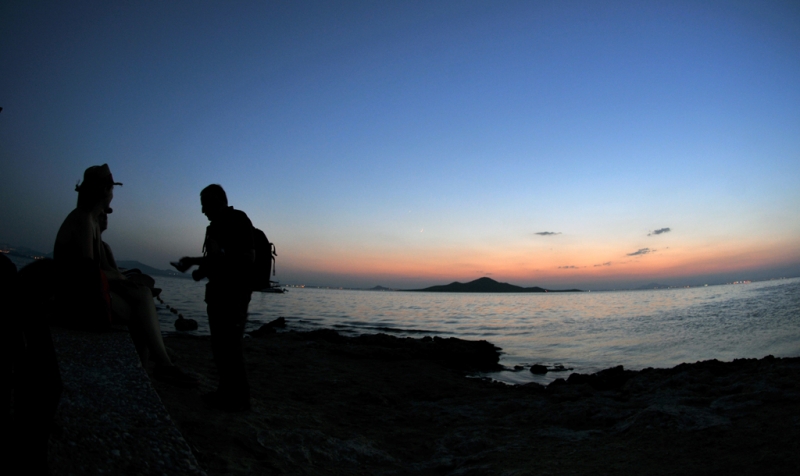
{"x": 80, "y": 254}
{"x": 227, "y": 262}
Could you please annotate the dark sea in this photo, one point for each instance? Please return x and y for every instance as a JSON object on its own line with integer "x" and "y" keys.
{"x": 585, "y": 332}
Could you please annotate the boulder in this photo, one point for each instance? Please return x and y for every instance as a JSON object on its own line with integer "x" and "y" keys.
{"x": 182, "y": 324}
{"x": 609, "y": 379}
{"x": 262, "y": 331}
{"x": 277, "y": 323}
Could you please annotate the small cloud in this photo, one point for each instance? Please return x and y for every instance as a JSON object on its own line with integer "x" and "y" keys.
{"x": 547, "y": 233}
{"x": 607, "y": 263}
{"x": 567, "y": 267}
{"x": 642, "y": 251}
{"x": 659, "y": 231}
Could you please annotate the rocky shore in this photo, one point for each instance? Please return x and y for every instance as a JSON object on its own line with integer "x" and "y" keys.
{"x": 375, "y": 404}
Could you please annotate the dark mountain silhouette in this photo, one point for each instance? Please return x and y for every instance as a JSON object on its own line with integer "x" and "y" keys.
{"x": 489, "y": 285}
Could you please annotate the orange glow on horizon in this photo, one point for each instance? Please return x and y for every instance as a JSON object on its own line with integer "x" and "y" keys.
{"x": 534, "y": 266}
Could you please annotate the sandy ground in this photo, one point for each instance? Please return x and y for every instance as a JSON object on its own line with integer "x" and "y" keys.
{"x": 325, "y": 404}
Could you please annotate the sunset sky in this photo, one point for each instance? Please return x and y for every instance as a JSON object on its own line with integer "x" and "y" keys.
{"x": 542, "y": 143}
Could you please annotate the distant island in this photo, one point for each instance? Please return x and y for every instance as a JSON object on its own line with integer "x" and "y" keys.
{"x": 489, "y": 285}
{"x": 380, "y": 288}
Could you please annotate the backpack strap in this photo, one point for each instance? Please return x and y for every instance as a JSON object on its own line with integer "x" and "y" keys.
{"x": 274, "y": 260}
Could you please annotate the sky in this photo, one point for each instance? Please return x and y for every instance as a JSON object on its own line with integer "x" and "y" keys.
{"x": 543, "y": 143}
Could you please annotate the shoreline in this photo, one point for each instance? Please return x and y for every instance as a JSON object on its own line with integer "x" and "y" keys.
{"x": 328, "y": 404}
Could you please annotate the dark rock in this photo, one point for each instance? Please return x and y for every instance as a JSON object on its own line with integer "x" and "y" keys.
{"x": 608, "y": 379}
{"x": 518, "y": 368}
{"x": 559, "y": 368}
{"x": 262, "y": 331}
{"x": 269, "y": 328}
{"x": 533, "y": 386}
{"x": 277, "y": 323}
{"x": 611, "y": 379}
{"x": 328, "y": 335}
{"x": 455, "y": 353}
{"x": 182, "y": 324}
{"x": 570, "y": 393}
{"x": 577, "y": 379}
{"x": 385, "y": 340}
{"x": 466, "y": 354}
{"x": 538, "y": 369}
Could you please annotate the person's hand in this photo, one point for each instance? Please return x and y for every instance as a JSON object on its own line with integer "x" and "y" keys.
{"x": 183, "y": 264}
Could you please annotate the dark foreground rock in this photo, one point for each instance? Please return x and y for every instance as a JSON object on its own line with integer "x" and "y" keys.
{"x": 328, "y": 404}
{"x": 454, "y": 353}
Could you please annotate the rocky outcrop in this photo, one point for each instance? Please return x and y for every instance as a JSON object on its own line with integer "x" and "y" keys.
{"x": 608, "y": 379}
{"x": 269, "y": 328}
{"x": 455, "y": 353}
{"x": 325, "y": 403}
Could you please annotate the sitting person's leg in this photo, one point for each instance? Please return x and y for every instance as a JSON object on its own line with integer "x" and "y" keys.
{"x": 143, "y": 319}
{"x": 145, "y": 328}
{"x": 121, "y": 314}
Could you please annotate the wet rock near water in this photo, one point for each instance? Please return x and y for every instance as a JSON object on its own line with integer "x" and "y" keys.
{"x": 182, "y": 324}
{"x": 538, "y": 369}
{"x": 453, "y": 352}
{"x": 608, "y": 379}
{"x": 269, "y": 328}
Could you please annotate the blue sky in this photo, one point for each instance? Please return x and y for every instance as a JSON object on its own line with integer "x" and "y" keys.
{"x": 415, "y": 143}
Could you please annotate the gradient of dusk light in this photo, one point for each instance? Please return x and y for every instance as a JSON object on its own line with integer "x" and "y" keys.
{"x": 407, "y": 144}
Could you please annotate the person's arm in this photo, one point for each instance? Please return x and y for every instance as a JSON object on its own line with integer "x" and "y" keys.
{"x": 109, "y": 265}
{"x": 84, "y": 237}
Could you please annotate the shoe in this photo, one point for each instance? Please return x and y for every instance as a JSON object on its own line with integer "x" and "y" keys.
{"x": 226, "y": 404}
{"x": 174, "y": 376}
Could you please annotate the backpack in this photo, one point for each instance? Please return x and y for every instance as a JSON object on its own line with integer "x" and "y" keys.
{"x": 265, "y": 258}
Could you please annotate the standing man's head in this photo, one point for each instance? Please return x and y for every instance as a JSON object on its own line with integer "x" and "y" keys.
{"x": 214, "y": 200}
{"x": 97, "y": 188}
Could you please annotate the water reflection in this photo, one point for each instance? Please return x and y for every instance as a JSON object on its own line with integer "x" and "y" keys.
{"x": 587, "y": 331}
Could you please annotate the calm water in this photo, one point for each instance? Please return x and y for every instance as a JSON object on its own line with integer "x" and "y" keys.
{"x": 584, "y": 331}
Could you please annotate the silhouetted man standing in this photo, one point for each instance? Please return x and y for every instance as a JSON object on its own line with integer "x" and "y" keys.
{"x": 227, "y": 262}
